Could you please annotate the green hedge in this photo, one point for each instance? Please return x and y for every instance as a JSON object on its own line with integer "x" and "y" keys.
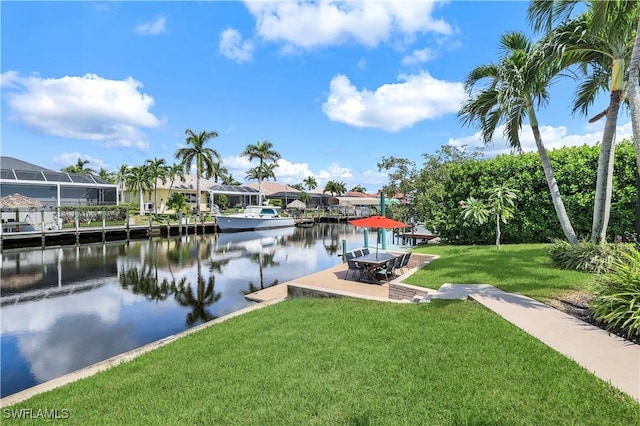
{"x": 535, "y": 220}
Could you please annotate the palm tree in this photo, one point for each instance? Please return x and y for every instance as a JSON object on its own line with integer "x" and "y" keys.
{"x": 120, "y": 177}
{"x": 596, "y": 43}
{"x": 204, "y": 157}
{"x": 359, "y": 188}
{"x": 79, "y": 168}
{"x": 157, "y": 169}
{"x": 335, "y": 188}
{"x": 106, "y": 175}
{"x": 500, "y": 204}
{"x": 264, "y": 172}
{"x": 310, "y": 182}
{"x": 264, "y": 152}
{"x": 219, "y": 172}
{"x": 174, "y": 171}
{"x": 514, "y": 84}
{"x": 230, "y": 180}
{"x": 139, "y": 179}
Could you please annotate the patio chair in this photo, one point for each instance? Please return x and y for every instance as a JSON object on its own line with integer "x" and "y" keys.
{"x": 405, "y": 260}
{"x": 365, "y": 251}
{"x": 358, "y": 252}
{"x": 352, "y": 266}
{"x": 387, "y": 271}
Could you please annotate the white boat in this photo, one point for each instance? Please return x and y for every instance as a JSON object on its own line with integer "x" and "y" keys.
{"x": 254, "y": 218}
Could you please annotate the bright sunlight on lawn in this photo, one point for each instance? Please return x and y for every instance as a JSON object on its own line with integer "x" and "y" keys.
{"x": 522, "y": 268}
{"x": 347, "y": 361}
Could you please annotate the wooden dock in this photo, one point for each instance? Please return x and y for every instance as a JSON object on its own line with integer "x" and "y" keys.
{"x": 67, "y": 236}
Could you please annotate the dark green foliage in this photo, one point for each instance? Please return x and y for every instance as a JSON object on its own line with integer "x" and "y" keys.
{"x": 617, "y": 296}
{"x": 585, "y": 256}
{"x": 535, "y": 219}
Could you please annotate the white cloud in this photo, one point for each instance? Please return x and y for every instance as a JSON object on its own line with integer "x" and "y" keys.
{"x": 307, "y": 25}
{"x": 418, "y": 57}
{"x": 88, "y": 107}
{"x": 552, "y": 137}
{"x": 362, "y": 64}
{"x": 232, "y": 46}
{"x": 392, "y": 106}
{"x": 152, "y": 28}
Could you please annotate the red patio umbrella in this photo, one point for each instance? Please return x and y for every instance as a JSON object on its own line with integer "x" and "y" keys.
{"x": 378, "y": 222}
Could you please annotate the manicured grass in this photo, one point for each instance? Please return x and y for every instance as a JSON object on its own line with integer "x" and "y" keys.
{"x": 347, "y": 361}
{"x": 521, "y": 268}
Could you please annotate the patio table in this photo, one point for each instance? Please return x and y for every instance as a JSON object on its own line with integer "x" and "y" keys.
{"x": 370, "y": 263}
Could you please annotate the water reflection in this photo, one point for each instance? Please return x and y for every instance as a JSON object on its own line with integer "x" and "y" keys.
{"x": 66, "y": 308}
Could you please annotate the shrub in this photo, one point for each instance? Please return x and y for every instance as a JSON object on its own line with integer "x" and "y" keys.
{"x": 584, "y": 256}
{"x": 616, "y": 302}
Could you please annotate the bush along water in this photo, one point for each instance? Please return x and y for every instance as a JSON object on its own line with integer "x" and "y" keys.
{"x": 616, "y": 302}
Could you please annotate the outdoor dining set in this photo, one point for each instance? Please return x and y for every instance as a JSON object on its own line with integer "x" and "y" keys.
{"x": 375, "y": 267}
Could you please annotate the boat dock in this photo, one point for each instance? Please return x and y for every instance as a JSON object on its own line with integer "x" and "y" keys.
{"x": 80, "y": 235}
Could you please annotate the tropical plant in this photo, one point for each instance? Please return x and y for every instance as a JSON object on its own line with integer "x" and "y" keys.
{"x": 139, "y": 180}
{"x": 359, "y": 188}
{"x": 501, "y": 204}
{"x": 264, "y": 152}
{"x": 178, "y": 203}
{"x": 298, "y": 186}
{"x": 158, "y": 171}
{"x": 616, "y": 302}
{"x": 584, "y": 256}
{"x": 79, "y": 168}
{"x": 203, "y": 157}
{"x": 514, "y": 85}
{"x": 596, "y": 43}
{"x": 310, "y": 182}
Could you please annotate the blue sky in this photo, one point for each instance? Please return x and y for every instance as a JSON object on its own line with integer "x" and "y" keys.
{"x": 335, "y": 86}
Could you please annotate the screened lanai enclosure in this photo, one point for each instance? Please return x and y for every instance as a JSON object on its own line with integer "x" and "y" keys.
{"x": 51, "y": 189}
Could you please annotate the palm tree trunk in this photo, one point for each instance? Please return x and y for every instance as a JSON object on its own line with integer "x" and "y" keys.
{"x": 604, "y": 181}
{"x": 498, "y": 231}
{"x": 634, "y": 107}
{"x": 556, "y": 197}
{"x": 198, "y": 193}
{"x": 141, "y": 199}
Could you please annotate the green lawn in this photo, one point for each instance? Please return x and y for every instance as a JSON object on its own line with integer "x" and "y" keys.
{"x": 521, "y": 268}
{"x": 348, "y": 362}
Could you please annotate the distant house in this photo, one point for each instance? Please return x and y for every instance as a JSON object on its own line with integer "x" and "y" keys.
{"x": 236, "y": 195}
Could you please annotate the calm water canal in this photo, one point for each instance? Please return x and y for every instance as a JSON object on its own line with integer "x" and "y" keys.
{"x": 66, "y": 308}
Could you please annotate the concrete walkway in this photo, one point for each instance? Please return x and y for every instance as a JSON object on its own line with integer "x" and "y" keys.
{"x": 609, "y": 357}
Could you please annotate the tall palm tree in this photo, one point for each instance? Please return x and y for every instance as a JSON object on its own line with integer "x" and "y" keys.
{"x": 310, "y": 182}
{"x": 174, "y": 171}
{"x": 203, "y": 156}
{"x": 514, "y": 84}
{"x": 596, "y": 43}
{"x": 138, "y": 179}
{"x": 158, "y": 171}
{"x": 264, "y": 152}
{"x": 359, "y": 188}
